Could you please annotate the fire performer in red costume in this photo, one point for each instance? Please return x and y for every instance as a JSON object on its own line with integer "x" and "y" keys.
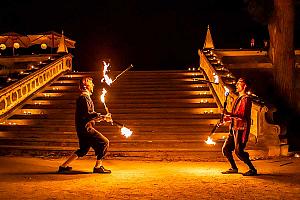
{"x": 240, "y": 119}
{"x": 85, "y": 117}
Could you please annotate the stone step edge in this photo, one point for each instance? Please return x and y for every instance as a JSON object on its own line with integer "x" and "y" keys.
{"x": 44, "y": 148}
{"x": 55, "y": 148}
{"x": 124, "y": 140}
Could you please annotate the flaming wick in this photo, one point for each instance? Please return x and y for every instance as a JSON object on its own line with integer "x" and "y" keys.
{"x": 126, "y": 132}
{"x": 210, "y": 141}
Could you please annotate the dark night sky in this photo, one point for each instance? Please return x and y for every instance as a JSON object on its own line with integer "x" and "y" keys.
{"x": 157, "y": 34}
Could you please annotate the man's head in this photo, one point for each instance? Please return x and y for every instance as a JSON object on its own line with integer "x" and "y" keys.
{"x": 86, "y": 83}
{"x": 242, "y": 85}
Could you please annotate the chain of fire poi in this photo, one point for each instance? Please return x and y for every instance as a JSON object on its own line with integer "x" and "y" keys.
{"x": 209, "y": 139}
{"x": 124, "y": 131}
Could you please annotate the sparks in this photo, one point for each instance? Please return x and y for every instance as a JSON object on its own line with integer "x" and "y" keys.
{"x": 126, "y": 132}
{"x": 210, "y": 141}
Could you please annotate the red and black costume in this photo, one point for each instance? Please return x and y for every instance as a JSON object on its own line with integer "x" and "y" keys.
{"x": 239, "y": 131}
{"x": 88, "y": 136}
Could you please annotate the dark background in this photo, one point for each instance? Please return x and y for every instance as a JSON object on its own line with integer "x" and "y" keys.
{"x": 150, "y": 34}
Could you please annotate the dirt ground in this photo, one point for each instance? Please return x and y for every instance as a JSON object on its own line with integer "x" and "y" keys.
{"x": 36, "y": 178}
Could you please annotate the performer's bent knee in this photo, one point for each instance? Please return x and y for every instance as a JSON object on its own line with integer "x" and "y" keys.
{"x": 81, "y": 153}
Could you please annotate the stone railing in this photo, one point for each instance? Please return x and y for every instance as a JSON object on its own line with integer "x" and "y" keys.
{"x": 266, "y": 134}
{"x": 14, "y": 94}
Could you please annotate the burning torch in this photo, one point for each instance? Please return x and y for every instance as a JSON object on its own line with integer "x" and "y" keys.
{"x": 106, "y": 78}
{"x": 124, "y": 131}
{"x": 209, "y": 140}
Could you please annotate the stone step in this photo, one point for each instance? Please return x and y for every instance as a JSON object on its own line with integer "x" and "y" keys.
{"x": 140, "y": 154}
{"x": 122, "y": 90}
{"x": 195, "y": 113}
{"x": 136, "y": 75}
{"x": 128, "y": 82}
{"x": 129, "y": 122}
{"x": 170, "y": 154}
{"x": 184, "y": 128}
{"x": 69, "y": 116}
{"x": 182, "y": 80}
{"x": 116, "y": 135}
{"x": 131, "y": 95}
{"x": 132, "y": 84}
{"x": 112, "y": 105}
{"x": 125, "y": 143}
{"x": 133, "y": 91}
{"x": 126, "y": 99}
{"x": 138, "y": 102}
{"x": 125, "y": 115}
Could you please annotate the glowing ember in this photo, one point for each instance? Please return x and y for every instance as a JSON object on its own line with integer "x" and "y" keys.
{"x": 126, "y": 132}
{"x": 106, "y": 78}
{"x": 210, "y": 141}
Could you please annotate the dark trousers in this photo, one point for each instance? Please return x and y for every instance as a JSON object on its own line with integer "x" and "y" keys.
{"x": 92, "y": 138}
{"x": 234, "y": 143}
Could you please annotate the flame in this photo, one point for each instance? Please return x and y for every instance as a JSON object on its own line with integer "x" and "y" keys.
{"x": 102, "y": 97}
{"x": 210, "y": 141}
{"x": 126, "y": 132}
{"x": 106, "y": 78}
{"x": 227, "y": 91}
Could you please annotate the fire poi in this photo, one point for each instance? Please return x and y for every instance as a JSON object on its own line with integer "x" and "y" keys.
{"x": 124, "y": 131}
{"x": 209, "y": 139}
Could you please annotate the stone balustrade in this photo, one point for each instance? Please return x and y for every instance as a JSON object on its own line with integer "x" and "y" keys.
{"x": 267, "y": 134}
{"x": 14, "y": 94}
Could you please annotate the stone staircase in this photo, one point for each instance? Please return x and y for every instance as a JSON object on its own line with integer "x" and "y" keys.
{"x": 170, "y": 113}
